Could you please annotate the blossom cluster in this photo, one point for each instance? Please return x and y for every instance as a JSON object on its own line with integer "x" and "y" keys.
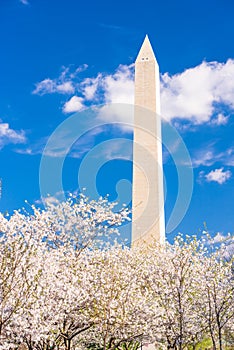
{"x": 61, "y": 289}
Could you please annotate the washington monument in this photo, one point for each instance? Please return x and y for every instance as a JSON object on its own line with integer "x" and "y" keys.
{"x": 148, "y": 222}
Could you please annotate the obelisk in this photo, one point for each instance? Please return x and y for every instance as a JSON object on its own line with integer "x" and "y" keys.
{"x": 148, "y": 224}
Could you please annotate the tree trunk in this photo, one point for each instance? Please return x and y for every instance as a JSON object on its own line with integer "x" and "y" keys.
{"x": 220, "y": 339}
{"x": 213, "y": 341}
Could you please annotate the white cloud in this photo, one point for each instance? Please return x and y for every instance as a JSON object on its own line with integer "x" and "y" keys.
{"x": 218, "y": 175}
{"x": 192, "y": 94}
{"x": 107, "y": 89}
{"x": 64, "y": 84}
{"x": 49, "y": 86}
{"x": 46, "y": 86}
{"x": 24, "y": 2}
{"x": 114, "y": 90}
{"x": 117, "y": 113}
{"x": 226, "y": 242}
{"x": 8, "y": 135}
{"x": 80, "y": 69}
{"x": 119, "y": 87}
{"x": 65, "y": 87}
{"x": 57, "y": 198}
{"x": 229, "y": 251}
{"x": 75, "y": 104}
{"x": 221, "y": 119}
{"x": 89, "y": 87}
{"x": 219, "y": 237}
{"x": 110, "y": 88}
{"x": 208, "y": 156}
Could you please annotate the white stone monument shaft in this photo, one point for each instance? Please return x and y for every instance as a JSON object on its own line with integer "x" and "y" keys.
{"x": 148, "y": 222}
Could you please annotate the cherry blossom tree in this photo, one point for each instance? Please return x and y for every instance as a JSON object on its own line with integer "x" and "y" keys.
{"x": 174, "y": 279}
{"x": 121, "y": 307}
{"x": 218, "y": 297}
{"x": 58, "y": 311}
{"x": 18, "y": 273}
{"x": 35, "y": 248}
{"x": 94, "y": 298}
{"x": 65, "y": 286}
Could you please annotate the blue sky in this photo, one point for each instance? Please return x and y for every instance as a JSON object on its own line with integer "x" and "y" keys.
{"x": 59, "y": 57}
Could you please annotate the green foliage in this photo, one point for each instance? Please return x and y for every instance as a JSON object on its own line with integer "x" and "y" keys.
{"x": 205, "y": 344}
